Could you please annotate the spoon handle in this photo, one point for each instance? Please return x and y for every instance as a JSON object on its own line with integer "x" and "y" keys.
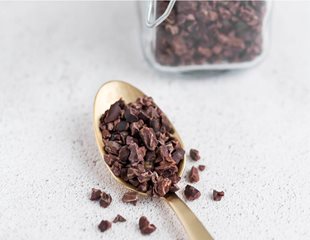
{"x": 192, "y": 225}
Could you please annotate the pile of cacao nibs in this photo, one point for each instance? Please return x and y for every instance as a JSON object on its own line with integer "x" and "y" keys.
{"x": 210, "y": 32}
{"x": 140, "y": 147}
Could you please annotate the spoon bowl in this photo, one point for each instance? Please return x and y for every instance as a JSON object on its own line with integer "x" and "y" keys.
{"x": 109, "y": 93}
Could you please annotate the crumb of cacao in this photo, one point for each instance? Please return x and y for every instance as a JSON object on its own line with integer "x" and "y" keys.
{"x": 104, "y": 225}
{"x": 217, "y": 195}
{"x": 119, "y": 218}
{"x": 95, "y": 194}
{"x": 194, "y": 154}
{"x": 105, "y": 200}
{"x": 201, "y": 167}
{"x": 191, "y": 193}
{"x": 145, "y": 226}
{"x": 193, "y": 175}
{"x": 130, "y": 197}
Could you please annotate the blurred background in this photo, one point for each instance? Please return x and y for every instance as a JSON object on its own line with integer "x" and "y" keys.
{"x": 251, "y": 126}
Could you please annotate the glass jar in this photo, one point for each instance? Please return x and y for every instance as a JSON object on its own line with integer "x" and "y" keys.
{"x": 180, "y": 36}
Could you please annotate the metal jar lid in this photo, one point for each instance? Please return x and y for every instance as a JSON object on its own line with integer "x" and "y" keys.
{"x": 151, "y": 20}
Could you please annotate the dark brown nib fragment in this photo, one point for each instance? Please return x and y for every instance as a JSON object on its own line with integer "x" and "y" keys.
{"x": 149, "y": 138}
{"x": 193, "y": 175}
{"x": 140, "y": 147}
{"x": 130, "y": 197}
{"x": 145, "y": 226}
{"x": 194, "y": 154}
{"x": 119, "y": 218}
{"x": 217, "y": 196}
{"x": 114, "y": 112}
{"x": 191, "y": 193}
{"x": 95, "y": 194}
{"x": 105, "y": 200}
{"x": 201, "y": 167}
{"x": 104, "y": 225}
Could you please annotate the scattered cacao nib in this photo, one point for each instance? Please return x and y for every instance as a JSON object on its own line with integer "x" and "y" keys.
{"x": 194, "y": 154}
{"x": 217, "y": 196}
{"x": 201, "y": 167}
{"x": 119, "y": 218}
{"x": 104, "y": 225}
{"x": 191, "y": 193}
{"x": 140, "y": 147}
{"x": 210, "y": 32}
{"x": 95, "y": 194}
{"x": 193, "y": 175}
{"x": 145, "y": 226}
{"x": 130, "y": 197}
{"x": 105, "y": 200}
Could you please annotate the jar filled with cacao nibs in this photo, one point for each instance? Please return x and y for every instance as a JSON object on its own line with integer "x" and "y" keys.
{"x": 184, "y": 36}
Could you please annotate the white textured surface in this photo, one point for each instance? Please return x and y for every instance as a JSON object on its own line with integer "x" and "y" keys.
{"x": 252, "y": 127}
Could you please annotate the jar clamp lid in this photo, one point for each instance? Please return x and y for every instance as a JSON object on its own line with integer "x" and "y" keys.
{"x": 151, "y": 21}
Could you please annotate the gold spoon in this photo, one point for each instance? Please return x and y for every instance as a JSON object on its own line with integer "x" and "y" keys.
{"x": 109, "y": 93}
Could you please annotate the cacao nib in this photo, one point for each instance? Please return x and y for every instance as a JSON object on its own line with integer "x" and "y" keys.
{"x": 155, "y": 124}
{"x": 131, "y": 115}
{"x": 149, "y": 138}
{"x": 162, "y": 186}
{"x": 110, "y": 159}
{"x": 112, "y": 147}
{"x": 145, "y": 226}
{"x": 124, "y": 154}
{"x": 116, "y": 168}
{"x": 131, "y": 140}
{"x": 105, "y": 133}
{"x": 193, "y": 175}
{"x": 135, "y": 127}
{"x": 139, "y": 146}
{"x": 122, "y": 126}
{"x": 194, "y": 154}
{"x": 150, "y": 156}
{"x": 144, "y": 177}
{"x": 136, "y": 153}
{"x": 105, "y": 200}
{"x": 201, "y": 167}
{"x": 217, "y": 196}
{"x": 130, "y": 197}
{"x": 104, "y": 225}
{"x": 119, "y": 218}
{"x": 114, "y": 112}
{"x": 95, "y": 194}
{"x": 178, "y": 155}
{"x": 191, "y": 193}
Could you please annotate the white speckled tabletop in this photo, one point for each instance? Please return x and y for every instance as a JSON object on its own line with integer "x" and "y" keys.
{"x": 252, "y": 127}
